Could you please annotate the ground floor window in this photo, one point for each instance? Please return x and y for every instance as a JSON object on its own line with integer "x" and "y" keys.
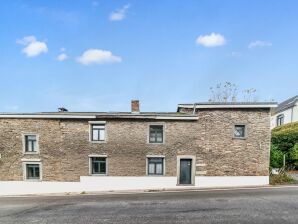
{"x": 98, "y": 165}
{"x": 33, "y": 171}
{"x": 155, "y": 166}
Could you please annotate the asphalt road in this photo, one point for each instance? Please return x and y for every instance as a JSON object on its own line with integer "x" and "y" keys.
{"x": 277, "y": 205}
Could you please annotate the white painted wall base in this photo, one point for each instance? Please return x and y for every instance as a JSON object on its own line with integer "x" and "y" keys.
{"x": 109, "y": 183}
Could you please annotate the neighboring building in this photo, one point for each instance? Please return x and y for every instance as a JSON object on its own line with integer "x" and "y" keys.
{"x": 286, "y": 112}
{"x": 200, "y": 145}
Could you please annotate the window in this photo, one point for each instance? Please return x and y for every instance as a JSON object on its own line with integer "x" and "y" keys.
{"x": 98, "y": 132}
{"x": 156, "y": 134}
{"x": 239, "y": 131}
{"x": 155, "y": 166}
{"x": 280, "y": 120}
{"x": 98, "y": 165}
{"x": 32, "y": 171}
{"x": 31, "y": 145}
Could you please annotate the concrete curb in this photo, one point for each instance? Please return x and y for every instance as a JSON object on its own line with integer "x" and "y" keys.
{"x": 151, "y": 191}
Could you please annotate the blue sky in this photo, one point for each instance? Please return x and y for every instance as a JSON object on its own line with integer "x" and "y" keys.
{"x": 98, "y": 55}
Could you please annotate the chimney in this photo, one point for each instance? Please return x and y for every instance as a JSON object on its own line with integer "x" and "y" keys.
{"x": 135, "y": 106}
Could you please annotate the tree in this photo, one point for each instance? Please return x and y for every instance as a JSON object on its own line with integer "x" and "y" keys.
{"x": 228, "y": 92}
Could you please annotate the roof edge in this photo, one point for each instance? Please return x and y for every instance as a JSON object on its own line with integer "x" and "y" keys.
{"x": 106, "y": 116}
{"x": 228, "y": 105}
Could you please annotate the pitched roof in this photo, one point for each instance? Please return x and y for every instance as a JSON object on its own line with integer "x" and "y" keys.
{"x": 213, "y": 105}
{"x": 103, "y": 115}
{"x": 289, "y": 103}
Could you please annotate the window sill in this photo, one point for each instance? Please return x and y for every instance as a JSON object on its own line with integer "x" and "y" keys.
{"x": 98, "y": 142}
{"x": 155, "y": 175}
{"x": 185, "y": 185}
{"x": 240, "y": 138}
{"x": 31, "y": 153}
{"x": 33, "y": 180}
{"x": 155, "y": 143}
{"x": 98, "y": 175}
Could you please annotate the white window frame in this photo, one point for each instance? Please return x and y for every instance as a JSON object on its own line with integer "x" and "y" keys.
{"x": 91, "y": 123}
{"x": 90, "y": 164}
{"x": 280, "y": 117}
{"x": 24, "y": 143}
{"x": 163, "y": 133}
{"x": 245, "y": 131}
{"x": 163, "y": 168}
{"x": 33, "y": 162}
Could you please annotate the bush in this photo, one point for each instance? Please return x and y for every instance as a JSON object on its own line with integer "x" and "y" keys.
{"x": 293, "y": 156}
{"x": 281, "y": 179}
{"x": 276, "y": 157}
{"x": 284, "y": 141}
{"x": 285, "y": 137}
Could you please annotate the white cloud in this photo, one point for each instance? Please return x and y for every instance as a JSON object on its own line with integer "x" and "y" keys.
{"x": 211, "y": 40}
{"x": 259, "y": 43}
{"x": 97, "y": 56}
{"x": 33, "y": 47}
{"x": 62, "y": 57}
{"x": 119, "y": 14}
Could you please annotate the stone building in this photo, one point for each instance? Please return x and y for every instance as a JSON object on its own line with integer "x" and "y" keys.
{"x": 200, "y": 145}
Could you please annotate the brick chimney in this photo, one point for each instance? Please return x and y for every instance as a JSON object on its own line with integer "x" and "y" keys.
{"x": 135, "y": 106}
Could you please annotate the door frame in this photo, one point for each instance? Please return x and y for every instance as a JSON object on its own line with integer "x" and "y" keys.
{"x": 193, "y": 169}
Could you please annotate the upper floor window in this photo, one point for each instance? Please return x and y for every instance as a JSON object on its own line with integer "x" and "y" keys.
{"x": 98, "y": 132}
{"x": 239, "y": 131}
{"x": 31, "y": 143}
{"x": 156, "y": 134}
{"x": 280, "y": 120}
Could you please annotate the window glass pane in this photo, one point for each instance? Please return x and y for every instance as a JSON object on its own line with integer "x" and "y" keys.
{"x": 32, "y": 171}
{"x": 31, "y": 137}
{"x": 102, "y": 135}
{"x": 34, "y": 146}
{"x": 155, "y": 160}
{"x": 151, "y": 168}
{"x": 95, "y": 167}
{"x": 102, "y": 167}
{"x": 152, "y": 139}
{"x": 95, "y": 135}
{"x": 239, "y": 131}
{"x": 37, "y": 172}
{"x": 159, "y": 137}
{"x": 158, "y": 168}
{"x": 29, "y": 146}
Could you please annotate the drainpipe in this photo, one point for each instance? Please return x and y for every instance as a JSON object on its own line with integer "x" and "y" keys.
{"x": 194, "y": 109}
{"x": 292, "y": 114}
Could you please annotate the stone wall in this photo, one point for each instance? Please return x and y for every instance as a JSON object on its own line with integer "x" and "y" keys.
{"x": 64, "y": 145}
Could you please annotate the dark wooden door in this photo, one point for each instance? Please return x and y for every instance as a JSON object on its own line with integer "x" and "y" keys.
{"x": 185, "y": 171}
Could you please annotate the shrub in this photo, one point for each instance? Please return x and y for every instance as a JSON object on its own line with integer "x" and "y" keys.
{"x": 276, "y": 157}
{"x": 281, "y": 179}
{"x": 293, "y": 156}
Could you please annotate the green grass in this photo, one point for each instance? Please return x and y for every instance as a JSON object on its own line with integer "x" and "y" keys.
{"x": 281, "y": 179}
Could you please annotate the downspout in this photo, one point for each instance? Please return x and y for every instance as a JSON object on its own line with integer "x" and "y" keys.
{"x": 292, "y": 114}
{"x": 194, "y": 109}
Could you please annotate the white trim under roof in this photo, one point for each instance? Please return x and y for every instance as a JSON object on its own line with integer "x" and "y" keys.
{"x": 207, "y": 106}
{"x": 58, "y": 116}
{"x": 47, "y": 116}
